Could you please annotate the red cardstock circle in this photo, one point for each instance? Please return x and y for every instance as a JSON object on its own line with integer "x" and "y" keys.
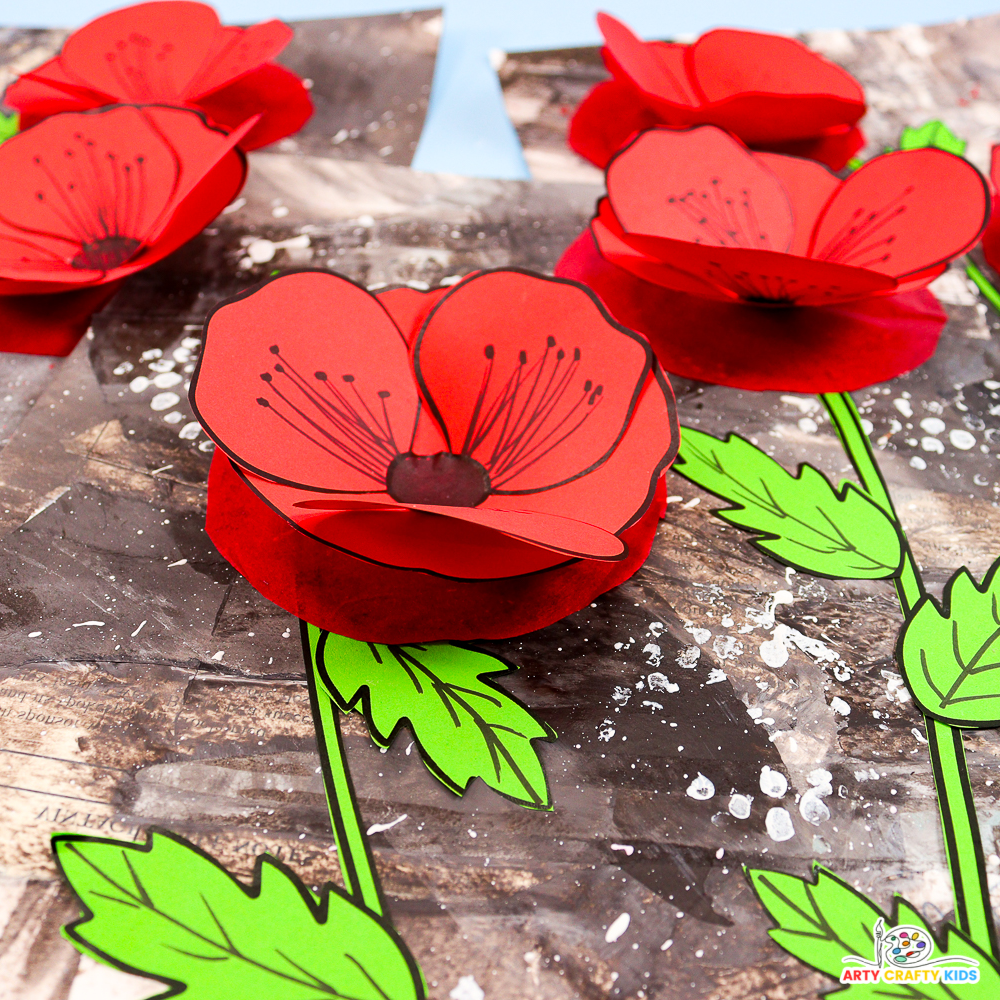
{"x": 374, "y": 603}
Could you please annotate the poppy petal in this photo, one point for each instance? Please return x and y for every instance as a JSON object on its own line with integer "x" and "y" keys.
{"x": 540, "y": 389}
{"x": 93, "y": 178}
{"x": 145, "y": 53}
{"x": 271, "y": 90}
{"x": 46, "y": 91}
{"x": 306, "y": 381}
{"x": 615, "y": 495}
{"x": 833, "y": 147}
{"x": 409, "y": 307}
{"x": 890, "y": 216}
{"x": 763, "y": 277}
{"x": 239, "y": 51}
{"x": 837, "y": 348}
{"x": 402, "y": 537}
{"x": 607, "y": 118}
{"x": 551, "y": 531}
{"x": 809, "y": 186}
{"x": 725, "y": 62}
{"x": 709, "y": 188}
{"x": 652, "y": 72}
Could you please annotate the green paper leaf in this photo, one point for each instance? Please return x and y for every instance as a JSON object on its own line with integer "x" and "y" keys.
{"x": 934, "y": 134}
{"x": 800, "y": 520}
{"x": 166, "y": 910}
{"x": 824, "y": 921}
{"x": 465, "y": 724}
{"x": 950, "y": 653}
{"x": 9, "y": 125}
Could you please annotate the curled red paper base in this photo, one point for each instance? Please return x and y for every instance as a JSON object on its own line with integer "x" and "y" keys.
{"x": 374, "y": 603}
{"x": 810, "y": 349}
{"x": 50, "y": 324}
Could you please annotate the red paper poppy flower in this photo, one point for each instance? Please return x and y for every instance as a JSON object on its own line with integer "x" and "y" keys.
{"x": 478, "y": 434}
{"x": 94, "y": 196}
{"x": 773, "y": 92}
{"x": 171, "y": 52}
{"x": 753, "y": 245}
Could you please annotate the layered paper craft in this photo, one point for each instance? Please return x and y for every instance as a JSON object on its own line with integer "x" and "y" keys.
{"x": 472, "y": 462}
{"x": 773, "y": 92}
{"x": 171, "y": 52}
{"x": 795, "y": 278}
{"x": 93, "y": 197}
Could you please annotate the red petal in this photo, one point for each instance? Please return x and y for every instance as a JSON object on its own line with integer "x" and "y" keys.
{"x": 809, "y": 187}
{"x": 606, "y": 118}
{"x": 616, "y": 494}
{"x": 147, "y": 53}
{"x": 46, "y": 91}
{"x": 527, "y": 375}
{"x": 649, "y": 69}
{"x": 409, "y": 307}
{"x": 699, "y": 185}
{"x": 325, "y": 425}
{"x": 403, "y": 537}
{"x": 832, "y": 349}
{"x": 239, "y": 51}
{"x": 72, "y": 170}
{"x": 272, "y": 91}
{"x": 904, "y": 212}
{"x": 725, "y": 62}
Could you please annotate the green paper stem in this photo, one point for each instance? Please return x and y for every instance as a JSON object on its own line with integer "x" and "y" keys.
{"x": 983, "y": 284}
{"x": 357, "y": 865}
{"x": 960, "y": 824}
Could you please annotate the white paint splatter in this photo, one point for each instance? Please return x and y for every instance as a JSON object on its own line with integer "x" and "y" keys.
{"x": 739, "y": 805}
{"x": 772, "y": 783}
{"x": 382, "y": 827}
{"x": 688, "y": 657}
{"x": 727, "y": 647}
{"x": 904, "y": 407}
{"x": 961, "y": 439}
{"x": 933, "y": 425}
{"x": 716, "y": 675}
{"x": 606, "y": 731}
{"x": 621, "y": 695}
{"x": 81, "y": 624}
{"x": 701, "y": 788}
{"x": 653, "y": 654}
{"x": 467, "y": 989}
{"x": 932, "y": 444}
{"x": 778, "y": 824}
{"x": 627, "y": 849}
{"x": 661, "y": 682}
{"x": 618, "y": 927}
{"x": 840, "y": 706}
{"x": 700, "y": 635}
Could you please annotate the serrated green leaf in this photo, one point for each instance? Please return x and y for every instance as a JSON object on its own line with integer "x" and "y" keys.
{"x": 819, "y": 922}
{"x": 950, "y": 653}
{"x": 800, "y": 520}
{"x": 466, "y": 725}
{"x": 9, "y": 125}
{"x": 167, "y": 911}
{"x": 934, "y": 134}
{"x": 822, "y": 922}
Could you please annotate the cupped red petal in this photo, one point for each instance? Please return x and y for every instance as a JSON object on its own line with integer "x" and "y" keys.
{"x": 238, "y": 51}
{"x": 147, "y": 53}
{"x": 763, "y": 277}
{"x": 658, "y": 73}
{"x": 47, "y": 90}
{"x": 809, "y": 186}
{"x": 725, "y": 62}
{"x": 274, "y": 92}
{"x": 306, "y": 380}
{"x": 904, "y": 212}
{"x": 606, "y": 118}
{"x": 403, "y": 537}
{"x": 528, "y": 376}
{"x": 699, "y": 185}
{"x": 85, "y": 177}
{"x": 615, "y": 495}
{"x": 816, "y": 349}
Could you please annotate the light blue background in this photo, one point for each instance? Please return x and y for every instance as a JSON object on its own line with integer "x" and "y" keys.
{"x": 467, "y": 130}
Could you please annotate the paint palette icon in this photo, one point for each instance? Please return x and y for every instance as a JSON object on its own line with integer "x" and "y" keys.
{"x": 908, "y": 946}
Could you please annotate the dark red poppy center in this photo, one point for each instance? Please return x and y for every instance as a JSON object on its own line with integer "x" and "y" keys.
{"x": 443, "y": 479}
{"x": 106, "y": 254}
